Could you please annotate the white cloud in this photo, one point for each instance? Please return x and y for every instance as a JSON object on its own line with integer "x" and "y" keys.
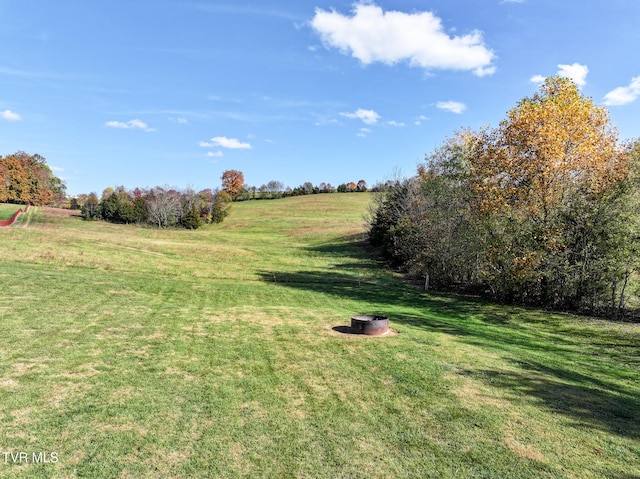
{"x": 624, "y": 94}
{"x": 452, "y": 106}
{"x": 216, "y": 154}
{"x": 363, "y": 132}
{"x": 130, "y": 125}
{"x": 10, "y": 115}
{"x": 369, "y": 117}
{"x": 537, "y": 79}
{"x": 224, "y": 142}
{"x": 180, "y": 121}
{"x": 395, "y": 123}
{"x": 576, "y": 72}
{"x": 372, "y": 35}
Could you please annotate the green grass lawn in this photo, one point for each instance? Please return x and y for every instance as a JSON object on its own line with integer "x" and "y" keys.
{"x": 135, "y": 352}
{"x": 7, "y": 210}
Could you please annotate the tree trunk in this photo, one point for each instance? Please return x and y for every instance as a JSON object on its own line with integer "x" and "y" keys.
{"x": 621, "y": 305}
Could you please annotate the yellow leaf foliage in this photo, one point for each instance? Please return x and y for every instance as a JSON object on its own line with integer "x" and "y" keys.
{"x": 549, "y": 144}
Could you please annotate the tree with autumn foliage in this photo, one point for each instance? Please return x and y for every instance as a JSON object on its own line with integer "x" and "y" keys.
{"x": 214, "y": 205}
{"x": 554, "y": 157}
{"x": 27, "y": 178}
{"x": 539, "y": 210}
{"x": 549, "y": 145}
{"x": 232, "y": 182}
{"x": 160, "y": 206}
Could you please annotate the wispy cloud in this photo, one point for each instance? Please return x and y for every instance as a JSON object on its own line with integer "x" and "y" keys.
{"x": 624, "y": 94}
{"x": 216, "y": 154}
{"x": 16, "y": 73}
{"x": 420, "y": 119}
{"x": 373, "y": 35}
{"x": 32, "y": 74}
{"x": 10, "y": 115}
{"x": 180, "y": 121}
{"x": 224, "y": 142}
{"x": 395, "y": 123}
{"x": 325, "y": 121}
{"x": 130, "y": 125}
{"x": 369, "y": 117}
{"x": 452, "y": 106}
{"x": 232, "y": 9}
{"x": 576, "y": 72}
{"x": 363, "y": 132}
{"x": 221, "y": 99}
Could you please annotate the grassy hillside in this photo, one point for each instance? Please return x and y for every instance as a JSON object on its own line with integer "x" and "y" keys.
{"x": 8, "y": 210}
{"x": 135, "y": 352}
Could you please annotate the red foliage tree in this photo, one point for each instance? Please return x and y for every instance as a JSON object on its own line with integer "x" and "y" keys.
{"x": 232, "y": 182}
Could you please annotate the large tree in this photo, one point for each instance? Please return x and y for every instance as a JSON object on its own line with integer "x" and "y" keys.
{"x": 232, "y": 182}
{"x": 27, "y": 178}
{"x": 163, "y": 206}
{"x": 548, "y": 145}
{"x": 275, "y": 188}
{"x": 555, "y": 157}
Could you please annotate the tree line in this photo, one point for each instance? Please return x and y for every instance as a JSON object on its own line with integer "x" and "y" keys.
{"x": 233, "y": 183}
{"x": 169, "y": 207}
{"x": 27, "y": 179}
{"x": 159, "y": 206}
{"x": 543, "y": 210}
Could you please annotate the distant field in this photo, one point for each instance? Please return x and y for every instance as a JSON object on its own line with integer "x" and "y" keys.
{"x": 143, "y": 353}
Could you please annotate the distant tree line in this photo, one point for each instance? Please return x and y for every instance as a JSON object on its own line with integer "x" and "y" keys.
{"x": 160, "y": 206}
{"x": 27, "y": 179}
{"x": 169, "y": 207}
{"x": 233, "y": 183}
{"x": 543, "y": 210}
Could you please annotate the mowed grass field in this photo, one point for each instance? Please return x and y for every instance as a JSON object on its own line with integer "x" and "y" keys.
{"x": 7, "y": 210}
{"x": 130, "y": 352}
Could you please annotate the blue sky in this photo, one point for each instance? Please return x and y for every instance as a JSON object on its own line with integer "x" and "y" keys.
{"x": 174, "y": 92}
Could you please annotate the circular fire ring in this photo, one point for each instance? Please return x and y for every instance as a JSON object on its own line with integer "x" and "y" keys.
{"x": 371, "y": 325}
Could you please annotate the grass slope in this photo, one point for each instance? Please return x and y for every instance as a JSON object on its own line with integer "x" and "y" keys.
{"x": 8, "y": 210}
{"x": 135, "y": 352}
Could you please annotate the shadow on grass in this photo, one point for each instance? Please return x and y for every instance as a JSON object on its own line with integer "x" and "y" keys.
{"x": 591, "y": 403}
{"x": 344, "y": 329}
{"x": 557, "y": 385}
